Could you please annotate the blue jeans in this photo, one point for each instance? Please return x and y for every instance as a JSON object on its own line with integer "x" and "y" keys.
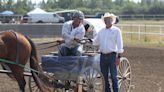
{"x": 107, "y": 62}
{"x": 65, "y": 51}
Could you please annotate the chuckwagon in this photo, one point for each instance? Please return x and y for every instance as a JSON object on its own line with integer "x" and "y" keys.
{"x": 69, "y": 73}
{"x": 54, "y": 73}
{"x": 83, "y": 72}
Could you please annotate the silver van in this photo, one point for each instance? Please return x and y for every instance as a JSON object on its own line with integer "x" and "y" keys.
{"x": 67, "y": 14}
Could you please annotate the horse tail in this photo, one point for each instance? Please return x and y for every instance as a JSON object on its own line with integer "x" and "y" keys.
{"x": 34, "y": 64}
{"x": 33, "y": 56}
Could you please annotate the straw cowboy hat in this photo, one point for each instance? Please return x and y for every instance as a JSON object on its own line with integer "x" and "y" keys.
{"x": 110, "y": 15}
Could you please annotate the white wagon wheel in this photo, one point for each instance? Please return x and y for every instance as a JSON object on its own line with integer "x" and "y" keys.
{"x": 91, "y": 80}
{"x": 124, "y": 75}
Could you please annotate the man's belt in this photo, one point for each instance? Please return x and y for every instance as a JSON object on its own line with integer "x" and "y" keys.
{"x": 108, "y": 53}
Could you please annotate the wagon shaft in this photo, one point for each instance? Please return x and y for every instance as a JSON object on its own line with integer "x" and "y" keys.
{"x": 9, "y": 72}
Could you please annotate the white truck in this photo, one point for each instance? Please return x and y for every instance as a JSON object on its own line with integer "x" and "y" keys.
{"x": 45, "y": 18}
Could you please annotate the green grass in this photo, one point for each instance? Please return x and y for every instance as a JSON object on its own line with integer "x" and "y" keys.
{"x": 143, "y": 41}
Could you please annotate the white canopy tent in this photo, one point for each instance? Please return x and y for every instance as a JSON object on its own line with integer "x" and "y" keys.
{"x": 36, "y": 11}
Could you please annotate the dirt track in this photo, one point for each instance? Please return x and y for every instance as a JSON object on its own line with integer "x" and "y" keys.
{"x": 147, "y": 70}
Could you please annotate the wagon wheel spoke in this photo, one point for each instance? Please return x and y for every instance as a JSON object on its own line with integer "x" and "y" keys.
{"x": 37, "y": 90}
{"x": 120, "y": 83}
{"x": 128, "y": 69}
{"x": 129, "y": 79}
{"x": 124, "y": 66}
{"x": 98, "y": 84}
{"x": 119, "y": 77}
{"x": 86, "y": 77}
{"x": 98, "y": 89}
{"x": 123, "y": 87}
{"x": 95, "y": 81}
{"x": 33, "y": 86}
{"x": 120, "y": 70}
{"x": 92, "y": 75}
{"x": 126, "y": 85}
{"x": 128, "y": 74}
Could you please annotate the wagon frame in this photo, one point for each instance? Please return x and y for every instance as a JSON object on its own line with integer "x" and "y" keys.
{"x": 124, "y": 78}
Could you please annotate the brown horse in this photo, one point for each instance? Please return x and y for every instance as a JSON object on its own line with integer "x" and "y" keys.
{"x": 18, "y": 48}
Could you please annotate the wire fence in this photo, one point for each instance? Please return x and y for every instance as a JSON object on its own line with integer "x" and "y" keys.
{"x": 131, "y": 32}
{"x": 142, "y": 17}
{"x": 142, "y": 33}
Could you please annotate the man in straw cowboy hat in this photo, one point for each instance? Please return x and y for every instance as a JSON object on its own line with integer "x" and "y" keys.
{"x": 110, "y": 43}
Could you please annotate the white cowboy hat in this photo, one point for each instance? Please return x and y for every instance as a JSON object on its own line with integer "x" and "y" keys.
{"x": 110, "y": 15}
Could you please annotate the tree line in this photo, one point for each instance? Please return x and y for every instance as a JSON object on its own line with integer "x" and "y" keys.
{"x": 87, "y": 6}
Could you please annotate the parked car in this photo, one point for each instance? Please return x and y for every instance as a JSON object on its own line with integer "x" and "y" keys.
{"x": 45, "y": 18}
{"x": 97, "y": 15}
{"x": 67, "y": 14}
{"x": 24, "y": 19}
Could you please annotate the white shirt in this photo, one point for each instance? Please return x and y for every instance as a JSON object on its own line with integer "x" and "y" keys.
{"x": 69, "y": 33}
{"x": 109, "y": 40}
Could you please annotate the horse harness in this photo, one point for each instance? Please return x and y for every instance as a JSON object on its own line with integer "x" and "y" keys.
{"x": 17, "y": 46}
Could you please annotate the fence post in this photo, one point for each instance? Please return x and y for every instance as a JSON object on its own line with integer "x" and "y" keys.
{"x": 131, "y": 32}
{"x": 160, "y": 40}
{"x": 145, "y": 40}
{"x": 139, "y": 32}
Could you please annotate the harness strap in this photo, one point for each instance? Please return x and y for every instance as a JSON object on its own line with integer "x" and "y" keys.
{"x": 20, "y": 65}
{"x": 17, "y": 46}
{"x": 48, "y": 47}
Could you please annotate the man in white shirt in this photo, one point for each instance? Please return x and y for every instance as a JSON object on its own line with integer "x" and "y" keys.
{"x": 72, "y": 32}
{"x": 109, "y": 40}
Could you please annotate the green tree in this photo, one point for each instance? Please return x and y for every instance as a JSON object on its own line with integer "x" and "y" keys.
{"x": 156, "y": 8}
{"x": 65, "y": 4}
{"x": 107, "y": 4}
{"x": 1, "y": 6}
{"x": 22, "y": 6}
{"x": 9, "y": 4}
{"x": 119, "y": 2}
{"x": 130, "y": 8}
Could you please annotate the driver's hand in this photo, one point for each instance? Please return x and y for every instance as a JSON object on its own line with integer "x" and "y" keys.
{"x": 60, "y": 41}
{"x": 90, "y": 40}
{"x": 77, "y": 40}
